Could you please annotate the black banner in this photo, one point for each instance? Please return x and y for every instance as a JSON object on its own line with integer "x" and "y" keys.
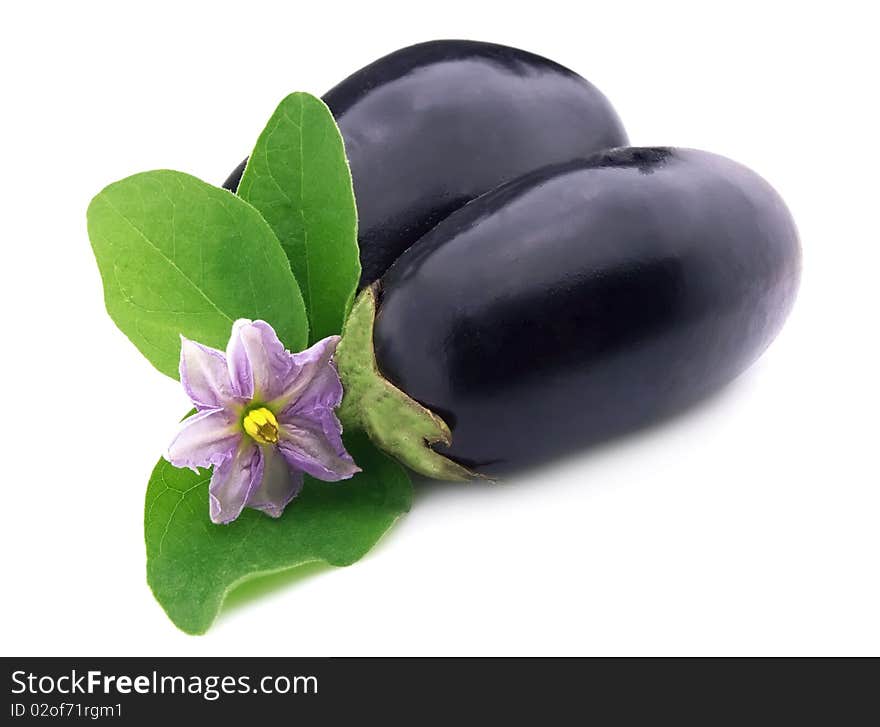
{"x": 411, "y": 691}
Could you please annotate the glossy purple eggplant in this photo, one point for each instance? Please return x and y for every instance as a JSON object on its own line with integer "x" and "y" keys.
{"x": 586, "y": 300}
{"x": 430, "y": 127}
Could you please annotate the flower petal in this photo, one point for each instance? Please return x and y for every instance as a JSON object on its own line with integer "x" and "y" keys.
{"x": 259, "y": 365}
{"x": 313, "y": 382}
{"x": 279, "y": 486}
{"x": 234, "y": 481}
{"x": 204, "y": 375}
{"x": 314, "y": 445}
{"x": 206, "y": 438}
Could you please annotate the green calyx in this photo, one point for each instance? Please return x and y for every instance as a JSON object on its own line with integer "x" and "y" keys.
{"x": 396, "y": 423}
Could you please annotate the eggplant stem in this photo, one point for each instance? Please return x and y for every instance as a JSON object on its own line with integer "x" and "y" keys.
{"x": 396, "y": 423}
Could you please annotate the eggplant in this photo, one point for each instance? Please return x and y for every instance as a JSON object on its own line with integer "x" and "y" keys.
{"x": 430, "y": 127}
{"x": 586, "y": 300}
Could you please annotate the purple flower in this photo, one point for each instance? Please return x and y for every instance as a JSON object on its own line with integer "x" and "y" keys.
{"x": 264, "y": 417}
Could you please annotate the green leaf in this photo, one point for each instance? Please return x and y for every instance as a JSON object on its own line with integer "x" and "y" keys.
{"x": 178, "y": 256}
{"x": 298, "y": 178}
{"x": 192, "y": 564}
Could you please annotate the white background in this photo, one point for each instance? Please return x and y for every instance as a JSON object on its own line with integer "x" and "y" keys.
{"x": 749, "y": 526}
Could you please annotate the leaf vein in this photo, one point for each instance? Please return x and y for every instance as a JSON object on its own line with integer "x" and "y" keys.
{"x": 167, "y": 259}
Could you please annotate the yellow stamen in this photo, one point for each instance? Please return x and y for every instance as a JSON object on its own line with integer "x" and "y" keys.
{"x": 262, "y": 425}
